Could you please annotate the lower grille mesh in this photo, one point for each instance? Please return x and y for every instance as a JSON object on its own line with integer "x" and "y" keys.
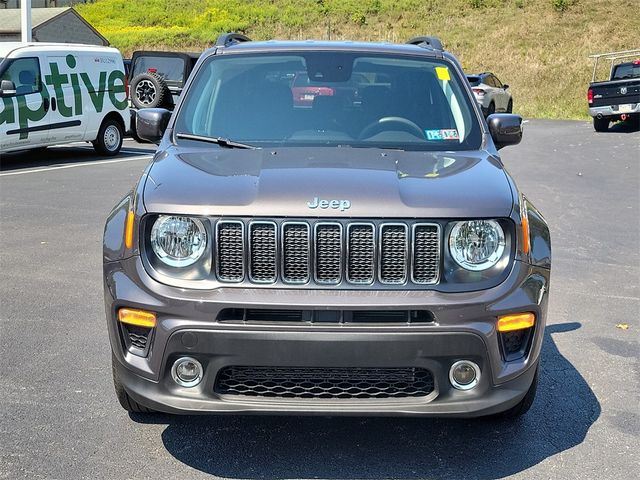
{"x": 330, "y": 383}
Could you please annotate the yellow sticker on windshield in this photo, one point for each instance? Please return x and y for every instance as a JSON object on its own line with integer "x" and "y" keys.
{"x": 443, "y": 73}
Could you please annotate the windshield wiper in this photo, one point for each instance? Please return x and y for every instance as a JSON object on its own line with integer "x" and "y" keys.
{"x": 223, "y": 142}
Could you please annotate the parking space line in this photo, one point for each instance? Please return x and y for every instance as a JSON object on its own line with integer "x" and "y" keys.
{"x": 74, "y": 165}
{"x": 83, "y": 146}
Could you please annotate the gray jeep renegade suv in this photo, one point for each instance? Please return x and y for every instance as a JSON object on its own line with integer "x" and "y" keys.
{"x": 326, "y": 228}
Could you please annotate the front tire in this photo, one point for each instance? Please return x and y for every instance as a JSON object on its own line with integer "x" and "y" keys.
{"x": 601, "y": 124}
{"x": 128, "y": 403}
{"x": 510, "y": 106}
{"x": 110, "y": 137}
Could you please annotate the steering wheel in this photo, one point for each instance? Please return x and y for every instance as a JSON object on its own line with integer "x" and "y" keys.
{"x": 384, "y": 123}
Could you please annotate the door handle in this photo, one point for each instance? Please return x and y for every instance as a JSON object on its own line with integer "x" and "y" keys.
{"x": 45, "y": 104}
{"x": 53, "y": 103}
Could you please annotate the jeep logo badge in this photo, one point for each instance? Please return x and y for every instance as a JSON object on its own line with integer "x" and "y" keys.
{"x": 335, "y": 204}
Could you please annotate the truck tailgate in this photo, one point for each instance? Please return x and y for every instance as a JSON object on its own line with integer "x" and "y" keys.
{"x": 615, "y": 93}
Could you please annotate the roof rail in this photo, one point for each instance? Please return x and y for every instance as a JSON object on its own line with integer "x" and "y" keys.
{"x": 228, "y": 39}
{"x": 432, "y": 42}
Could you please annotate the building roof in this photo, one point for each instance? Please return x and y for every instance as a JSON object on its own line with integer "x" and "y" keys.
{"x": 10, "y": 19}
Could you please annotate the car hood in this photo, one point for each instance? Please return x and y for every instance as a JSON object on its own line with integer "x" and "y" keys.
{"x": 282, "y": 183}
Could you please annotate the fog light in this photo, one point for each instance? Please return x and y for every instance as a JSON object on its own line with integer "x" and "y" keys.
{"x": 187, "y": 372}
{"x": 464, "y": 375}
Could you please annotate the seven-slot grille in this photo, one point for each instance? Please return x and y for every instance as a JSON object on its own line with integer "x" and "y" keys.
{"x": 327, "y": 253}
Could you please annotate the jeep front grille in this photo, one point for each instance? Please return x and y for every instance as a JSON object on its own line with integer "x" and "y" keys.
{"x": 230, "y": 258}
{"x": 296, "y": 249}
{"x": 426, "y": 251}
{"x": 361, "y": 248}
{"x": 327, "y": 253}
{"x": 329, "y": 383}
{"x": 263, "y": 247}
{"x": 393, "y": 253}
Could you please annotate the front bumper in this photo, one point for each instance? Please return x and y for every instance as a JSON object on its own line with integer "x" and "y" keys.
{"x": 464, "y": 328}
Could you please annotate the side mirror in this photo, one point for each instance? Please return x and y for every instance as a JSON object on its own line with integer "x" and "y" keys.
{"x": 505, "y": 129}
{"x": 151, "y": 123}
{"x": 505, "y": 86}
{"x": 7, "y": 88}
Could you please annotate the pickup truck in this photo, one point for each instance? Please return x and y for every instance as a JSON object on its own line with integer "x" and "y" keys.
{"x": 617, "y": 98}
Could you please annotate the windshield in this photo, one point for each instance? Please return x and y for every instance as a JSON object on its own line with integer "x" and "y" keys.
{"x": 626, "y": 70}
{"x": 330, "y": 99}
{"x": 474, "y": 80}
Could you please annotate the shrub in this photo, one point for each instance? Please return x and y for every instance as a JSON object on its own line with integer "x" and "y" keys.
{"x": 562, "y": 6}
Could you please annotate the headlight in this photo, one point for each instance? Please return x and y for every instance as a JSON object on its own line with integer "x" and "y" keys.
{"x": 477, "y": 244}
{"x": 178, "y": 241}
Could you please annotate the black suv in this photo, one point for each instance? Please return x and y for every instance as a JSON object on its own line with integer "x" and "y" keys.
{"x": 156, "y": 79}
{"x": 354, "y": 247}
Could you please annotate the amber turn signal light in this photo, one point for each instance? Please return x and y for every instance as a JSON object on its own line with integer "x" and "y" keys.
{"x": 525, "y": 235}
{"x": 128, "y": 230}
{"x": 140, "y": 318}
{"x": 516, "y": 321}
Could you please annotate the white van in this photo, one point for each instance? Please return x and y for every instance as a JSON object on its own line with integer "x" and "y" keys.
{"x": 59, "y": 93}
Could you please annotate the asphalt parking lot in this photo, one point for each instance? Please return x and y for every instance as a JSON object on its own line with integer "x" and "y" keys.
{"x": 59, "y": 417}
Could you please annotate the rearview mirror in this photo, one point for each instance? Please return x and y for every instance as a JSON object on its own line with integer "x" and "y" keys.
{"x": 151, "y": 123}
{"x": 505, "y": 129}
{"x": 505, "y": 86}
{"x": 7, "y": 88}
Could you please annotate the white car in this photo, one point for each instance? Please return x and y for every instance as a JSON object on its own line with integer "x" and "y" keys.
{"x": 491, "y": 94}
{"x": 52, "y": 94}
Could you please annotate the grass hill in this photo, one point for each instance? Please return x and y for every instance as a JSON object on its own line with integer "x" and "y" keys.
{"x": 539, "y": 47}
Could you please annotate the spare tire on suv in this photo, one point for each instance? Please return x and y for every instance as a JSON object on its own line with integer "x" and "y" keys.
{"x": 149, "y": 90}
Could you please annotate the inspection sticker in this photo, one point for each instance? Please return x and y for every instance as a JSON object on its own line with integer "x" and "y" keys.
{"x": 443, "y": 73}
{"x": 445, "y": 134}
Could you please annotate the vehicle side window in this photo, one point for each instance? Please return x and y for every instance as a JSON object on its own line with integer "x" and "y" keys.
{"x": 486, "y": 79}
{"x": 169, "y": 68}
{"x": 496, "y": 83}
{"x": 474, "y": 81}
{"x": 25, "y": 75}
